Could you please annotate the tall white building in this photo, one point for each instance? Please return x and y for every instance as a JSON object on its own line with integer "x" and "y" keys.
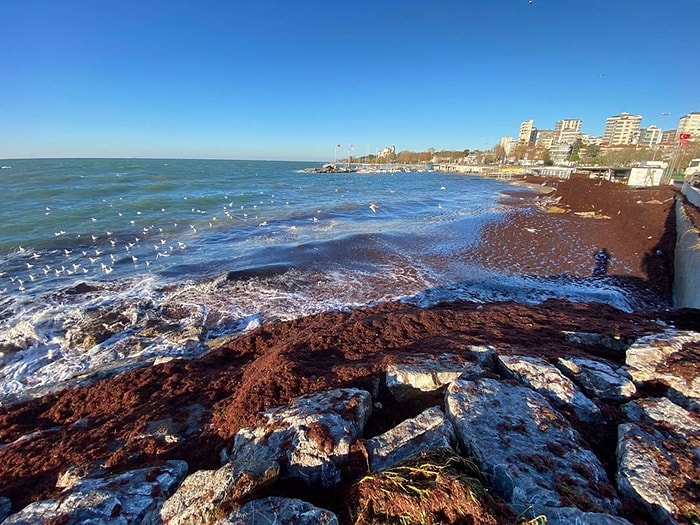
{"x": 690, "y": 124}
{"x": 567, "y": 130}
{"x": 650, "y": 136}
{"x": 527, "y": 132}
{"x": 622, "y": 129}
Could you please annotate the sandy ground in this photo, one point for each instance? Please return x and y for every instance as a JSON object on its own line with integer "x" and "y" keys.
{"x": 270, "y": 366}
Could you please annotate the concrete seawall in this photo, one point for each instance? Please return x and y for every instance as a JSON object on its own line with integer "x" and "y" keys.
{"x": 686, "y": 286}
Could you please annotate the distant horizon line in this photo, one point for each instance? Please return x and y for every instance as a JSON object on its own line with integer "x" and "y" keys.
{"x": 3, "y": 159}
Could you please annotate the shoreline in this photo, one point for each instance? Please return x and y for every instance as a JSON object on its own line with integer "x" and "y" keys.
{"x": 208, "y": 399}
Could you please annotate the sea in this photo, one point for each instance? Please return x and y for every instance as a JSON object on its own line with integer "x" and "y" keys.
{"x": 107, "y": 264}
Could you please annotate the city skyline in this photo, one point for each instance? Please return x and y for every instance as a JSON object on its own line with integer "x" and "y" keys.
{"x": 273, "y": 80}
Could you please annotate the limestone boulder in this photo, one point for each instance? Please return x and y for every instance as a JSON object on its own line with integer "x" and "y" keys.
{"x": 533, "y": 456}
{"x": 280, "y": 510}
{"x": 427, "y": 374}
{"x": 611, "y": 342}
{"x": 427, "y": 431}
{"x": 5, "y": 508}
{"x": 640, "y": 476}
{"x": 546, "y": 379}
{"x": 310, "y": 439}
{"x": 200, "y": 496}
{"x": 661, "y": 358}
{"x": 131, "y": 497}
{"x": 668, "y": 418}
{"x": 573, "y": 516}
{"x": 598, "y": 379}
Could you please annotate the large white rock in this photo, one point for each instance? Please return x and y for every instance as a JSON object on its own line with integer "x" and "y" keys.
{"x": 131, "y": 497}
{"x": 546, "y": 379}
{"x": 648, "y": 359}
{"x": 598, "y": 379}
{"x": 530, "y": 451}
{"x": 280, "y": 511}
{"x": 429, "y": 430}
{"x": 639, "y": 475}
{"x": 428, "y": 373}
{"x": 199, "y": 497}
{"x": 667, "y": 417}
{"x": 310, "y": 439}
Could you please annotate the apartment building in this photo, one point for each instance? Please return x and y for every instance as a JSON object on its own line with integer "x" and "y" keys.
{"x": 622, "y": 129}
{"x": 567, "y": 130}
{"x": 527, "y": 132}
{"x": 690, "y": 124}
{"x": 650, "y": 136}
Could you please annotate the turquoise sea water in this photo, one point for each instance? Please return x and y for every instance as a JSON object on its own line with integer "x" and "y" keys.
{"x": 116, "y": 247}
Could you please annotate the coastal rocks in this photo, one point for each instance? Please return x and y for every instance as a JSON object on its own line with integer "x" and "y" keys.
{"x": 131, "y": 497}
{"x": 5, "y": 508}
{"x": 639, "y": 474}
{"x": 598, "y": 379}
{"x": 429, "y": 430}
{"x": 659, "y": 458}
{"x": 535, "y": 458}
{"x": 199, "y": 498}
{"x": 668, "y": 359}
{"x": 310, "y": 438}
{"x": 544, "y": 378}
{"x": 429, "y": 374}
{"x": 280, "y": 510}
{"x": 616, "y": 343}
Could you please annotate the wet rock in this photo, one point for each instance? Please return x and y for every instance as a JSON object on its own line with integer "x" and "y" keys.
{"x": 546, "y": 379}
{"x": 427, "y": 374}
{"x": 427, "y": 431}
{"x": 598, "y": 379}
{"x": 639, "y": 475}
{"x": 5, "y": 508}
{"x": 573, "y": 516}
{"x": 661, "y": 358}
{"x": 280, "y": 510}
{"x": 127, "y": 498}
{"x": 310, "y": 438}
{"x": 534, "y": 457}
{"x": 611, "y": 342}
{"x": 667, "y": 417}
{"x": 200, "y": 497}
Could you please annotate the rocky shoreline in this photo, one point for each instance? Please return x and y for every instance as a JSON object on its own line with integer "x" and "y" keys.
{"x": 457, "y": 413}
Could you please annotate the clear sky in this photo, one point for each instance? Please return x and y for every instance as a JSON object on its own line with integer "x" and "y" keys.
{"x": 286, "y": 79}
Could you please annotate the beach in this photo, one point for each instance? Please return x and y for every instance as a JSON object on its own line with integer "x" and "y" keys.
{"x": 545, "y": 238}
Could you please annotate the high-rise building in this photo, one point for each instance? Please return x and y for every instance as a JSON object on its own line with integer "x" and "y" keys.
{"x": 545, "y": 138}
{"x": 690, "y": 124}
{"x": 650, "y": 136}
{"x": 527, "y": 132}
{"x": 669, "y": 136}
{"x": 567, "y": 130}
{"x": 622, "y": 129}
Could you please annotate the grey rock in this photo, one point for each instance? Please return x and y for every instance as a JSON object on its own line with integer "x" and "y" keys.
{"x": 574, "y": 516}
{"x": 426, "y": 373}
{"x": 598, "y": 379}
{"x": 199, "y": 497}
{"x": 310, "y": 439}
{"x": 427, "y": 431}
{"x": 5, "y": 508}
{"x": 546, "y": 379}
{"x": 527, "y": 447}
{"x": 639, "y": 475}
{"x": 619, "y": 344}
{"x": 280, "y": 511}
{"x": 667, "y": 417}
{"x": 647, "y": 361}
{"x": 131, "y": 497}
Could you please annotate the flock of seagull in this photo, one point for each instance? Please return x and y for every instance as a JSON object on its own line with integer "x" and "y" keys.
{"x": 99, "y": 253}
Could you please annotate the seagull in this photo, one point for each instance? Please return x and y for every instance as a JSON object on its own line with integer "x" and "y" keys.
{"x": 373, "y": 207}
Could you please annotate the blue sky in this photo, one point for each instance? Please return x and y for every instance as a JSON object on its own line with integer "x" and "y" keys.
{"x": 284, "y": 79}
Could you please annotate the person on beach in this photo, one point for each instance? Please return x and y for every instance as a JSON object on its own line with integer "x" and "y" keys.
{"x": 602, "y": 262}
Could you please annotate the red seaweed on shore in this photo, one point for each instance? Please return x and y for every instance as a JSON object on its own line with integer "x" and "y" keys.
{"x": 110, "y": 425}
